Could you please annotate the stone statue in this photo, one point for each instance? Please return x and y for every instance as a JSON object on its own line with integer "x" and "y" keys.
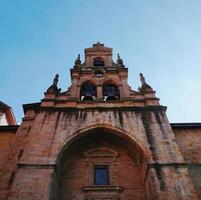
{"x": 118, "y": 56}
{"x": 145, "y": 87}
{"x": 53, "y": 87}
{"x": 120, "y": 62}
{"x": 78, "y": 57}
{"x": 142, "y": 79}
{"x": 56, "y": 79}
{"x": 77, "y": 61}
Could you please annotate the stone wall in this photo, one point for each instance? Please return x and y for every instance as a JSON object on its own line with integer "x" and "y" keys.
{"x": 45, "y": 133}
{"x": 7, "y": 135}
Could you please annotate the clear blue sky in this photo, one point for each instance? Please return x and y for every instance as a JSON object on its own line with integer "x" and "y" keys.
{"x": 160, "y": 38}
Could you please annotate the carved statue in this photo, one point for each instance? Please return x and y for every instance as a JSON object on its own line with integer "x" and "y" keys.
{"x": 120, "y": 62}
{"x": 78, "y": 57}
{"x": 56, "y": 79}
{"x": 53, "y": 87}
{"x": 142, "y": 79}
{"x": 118, "y": 56}
{"x": 77, "y": 61}
{"x": 145, "y": 87}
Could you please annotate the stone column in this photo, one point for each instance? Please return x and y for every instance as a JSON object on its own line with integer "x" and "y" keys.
{"x": 125, "y": 88}
{"x": 78, "y": 92}
{"x": 121, "y": 92}
{"x": 167, "y": 176}
{"x": 99, "y": 92}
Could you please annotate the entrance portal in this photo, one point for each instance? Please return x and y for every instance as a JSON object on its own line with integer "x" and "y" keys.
{"x": 101, "y": 165}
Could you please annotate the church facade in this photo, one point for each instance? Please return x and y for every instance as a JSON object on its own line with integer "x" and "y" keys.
{"x": 101, "y": 140}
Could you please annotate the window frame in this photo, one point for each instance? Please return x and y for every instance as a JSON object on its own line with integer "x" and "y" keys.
{"x": 101, "y": 156}
{"x": 101, "y": 166}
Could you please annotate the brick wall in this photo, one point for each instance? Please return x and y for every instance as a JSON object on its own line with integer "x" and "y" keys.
{"x": 6, "y": 138}
{"x": 189, "y": 141}
{"x": 44, "y": 136}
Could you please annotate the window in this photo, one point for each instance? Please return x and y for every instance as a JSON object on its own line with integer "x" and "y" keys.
{"x": 101, "y": 164}
{"x": 110, "y": 92}
{"x": 101, "y": 175}
{"x": 99, "y": 62}
{"x": 88, "y": 92}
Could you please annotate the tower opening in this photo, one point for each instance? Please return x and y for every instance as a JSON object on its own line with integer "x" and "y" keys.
{"x": 110, "y": 92}
{"x": 88, "y": 92}
{"x": 98, "y": 61}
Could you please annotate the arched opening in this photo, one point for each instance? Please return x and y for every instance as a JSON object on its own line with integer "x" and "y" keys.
{"x": 110, "y": 92}
{"x": 88, "y": 92}
{"x": 101, "y": 164}
{"x": 98, "y": 61}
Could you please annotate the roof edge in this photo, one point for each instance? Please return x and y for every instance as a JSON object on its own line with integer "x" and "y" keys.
{"x": 30, "y": 106}
{"x": 9, "y": 128}
{"x": 186, "y": 125}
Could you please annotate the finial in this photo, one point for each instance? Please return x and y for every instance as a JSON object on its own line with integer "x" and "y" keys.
{"x": 98, "y": 44}
{"x": 144, "y": 87}
{"x": 120, "y": 62}
{"x": 56, "y": 79}
{"x": 77, "y": 61}
{"x": 53, "y": 87}
{"x": 142, "y": 79}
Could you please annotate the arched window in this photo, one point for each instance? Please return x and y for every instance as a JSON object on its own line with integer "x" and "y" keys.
{"x": 110, "y": 92}
{"x": 88, "y": 92}
{"x": 99, "y": 62}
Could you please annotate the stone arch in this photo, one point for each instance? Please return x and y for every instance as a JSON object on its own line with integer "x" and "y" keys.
{"x": 113, "y": 130}
{"x": 86, "y": 80}
{"x": 110, "y": 81}
{"x": 116, "y": 147}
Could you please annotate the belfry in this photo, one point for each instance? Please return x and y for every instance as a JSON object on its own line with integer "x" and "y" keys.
{"x": 98, "y": 140}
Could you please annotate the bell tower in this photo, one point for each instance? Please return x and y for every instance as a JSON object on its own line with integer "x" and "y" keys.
{"x": 98, "y": 55}
{"x": 100, "y": 80}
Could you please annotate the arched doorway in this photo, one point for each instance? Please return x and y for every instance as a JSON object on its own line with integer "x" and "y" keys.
{"x": 101, "y": 164}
